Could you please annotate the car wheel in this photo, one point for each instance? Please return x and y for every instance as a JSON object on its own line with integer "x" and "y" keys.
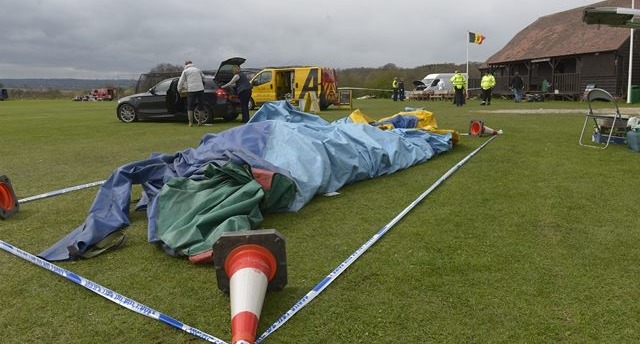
{"x": 202, "y": 114}
{"x": 252, "y": 104}
{"x": 127, "y": 113}
{"x": 231, "y": 114}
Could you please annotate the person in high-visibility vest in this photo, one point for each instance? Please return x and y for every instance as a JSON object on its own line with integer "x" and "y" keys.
{"x": 459, "y": 82}
{"x": 486, "y": 84}
{"x": 394, "y": 85}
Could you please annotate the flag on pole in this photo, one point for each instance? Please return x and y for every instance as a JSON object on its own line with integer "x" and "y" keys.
{"x": 476, "y": 38}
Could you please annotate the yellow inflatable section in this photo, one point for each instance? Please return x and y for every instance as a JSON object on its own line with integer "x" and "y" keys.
{"x": 426, "y": 122}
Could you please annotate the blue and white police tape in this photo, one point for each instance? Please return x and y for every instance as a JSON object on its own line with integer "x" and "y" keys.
{"x": 109, "y": 294}
{"x": 355, "y": 255}
{"x": 61, "y": 191}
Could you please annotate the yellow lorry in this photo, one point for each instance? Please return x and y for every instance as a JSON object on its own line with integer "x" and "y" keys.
{"x": 293, "y": 84}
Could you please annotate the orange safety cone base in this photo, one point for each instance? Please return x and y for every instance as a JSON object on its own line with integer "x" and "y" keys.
{"x": 476, "y": 127}
{"x": 270, "y": 239}
{"x": 9, "y": 204}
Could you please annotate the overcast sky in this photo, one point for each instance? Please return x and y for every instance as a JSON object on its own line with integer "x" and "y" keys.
{"x": 121, "y": 39}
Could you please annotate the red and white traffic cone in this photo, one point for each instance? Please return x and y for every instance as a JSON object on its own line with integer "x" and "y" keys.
{"x": 252, "y": 263}
{"x": 9, "y": 204}
{"x": 250, "y": 268}
{"x": 477, "y": 128}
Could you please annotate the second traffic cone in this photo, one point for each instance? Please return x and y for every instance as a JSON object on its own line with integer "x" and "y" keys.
{"x": 251, "y": 262}
{"x": 477, "y": 128}
{"x": 9, "y": 204}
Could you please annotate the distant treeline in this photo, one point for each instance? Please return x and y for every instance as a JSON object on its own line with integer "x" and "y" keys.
{"x": 60, "y": 88}
{"x": 66, "y": 84}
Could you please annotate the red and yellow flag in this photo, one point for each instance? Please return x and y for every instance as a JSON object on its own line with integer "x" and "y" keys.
{"x": 476, "y": 38}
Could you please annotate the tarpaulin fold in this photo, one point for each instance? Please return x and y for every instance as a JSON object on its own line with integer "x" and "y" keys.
{"x": 192, "y": 214}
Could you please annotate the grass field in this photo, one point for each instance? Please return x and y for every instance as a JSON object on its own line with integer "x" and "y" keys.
{"x": 534, "y": 240}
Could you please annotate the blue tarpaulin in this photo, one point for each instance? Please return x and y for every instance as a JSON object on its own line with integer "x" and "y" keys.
{"x": 318, "y": 156}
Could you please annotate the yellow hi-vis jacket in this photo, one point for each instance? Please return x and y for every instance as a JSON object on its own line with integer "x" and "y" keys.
{"x": 458, "y": 81}
{"x": 487, "y": 82}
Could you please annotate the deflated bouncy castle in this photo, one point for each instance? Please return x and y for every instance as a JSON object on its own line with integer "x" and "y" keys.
{"x": 277, "y": 162}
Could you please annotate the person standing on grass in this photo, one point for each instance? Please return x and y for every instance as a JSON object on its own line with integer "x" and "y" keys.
{"x": 243, "y": 89}
{"x": 394, "y": 86}
{"x": 192, "y": 81}
{"x": 458, "y": 81}
{"x": 486, "y": 84}
{"x": 401, "y": 95}
{"x": 517, "y": 84}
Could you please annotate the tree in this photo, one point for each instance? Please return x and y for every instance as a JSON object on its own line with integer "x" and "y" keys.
{"x": 166, "y": 68}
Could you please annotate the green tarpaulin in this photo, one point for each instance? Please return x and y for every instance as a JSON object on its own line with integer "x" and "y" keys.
{"x": 193, "y": 214}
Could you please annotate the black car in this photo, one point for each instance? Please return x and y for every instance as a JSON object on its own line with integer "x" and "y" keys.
{"x": 164, "y": 102}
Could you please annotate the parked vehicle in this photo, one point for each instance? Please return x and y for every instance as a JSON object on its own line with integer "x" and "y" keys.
{"x": 99, "y": 94}
{"x": 430, "y": 82}
{"x": 293, "y": 83}
{"x": 108, "y": 93}
{"x": 164, "y": 102}
{"x": 147, "y": 80}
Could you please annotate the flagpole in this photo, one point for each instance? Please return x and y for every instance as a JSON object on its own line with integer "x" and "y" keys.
{"x": 466, "y": 86}
{"x": 630, "y": 60}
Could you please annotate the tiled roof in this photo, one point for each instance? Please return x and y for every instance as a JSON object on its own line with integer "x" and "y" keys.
{"x": 563, "y": 33}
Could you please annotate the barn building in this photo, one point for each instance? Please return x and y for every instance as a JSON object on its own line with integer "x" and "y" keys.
{"x": 569, "y": 54}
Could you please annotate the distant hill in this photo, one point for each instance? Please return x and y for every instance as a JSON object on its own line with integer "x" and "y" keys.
{"x": 66, "y": 84}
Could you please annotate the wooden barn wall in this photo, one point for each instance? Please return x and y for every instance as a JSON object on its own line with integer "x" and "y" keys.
{"x": 623, "y": 64}
{"x": 539, "y": 72}
{"x": 600, "y": 69}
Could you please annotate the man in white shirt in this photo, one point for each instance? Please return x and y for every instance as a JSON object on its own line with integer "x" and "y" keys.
{"x": 192, "y": 80}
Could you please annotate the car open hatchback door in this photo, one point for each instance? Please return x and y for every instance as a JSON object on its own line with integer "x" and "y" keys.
{"x": 224, "y": 73}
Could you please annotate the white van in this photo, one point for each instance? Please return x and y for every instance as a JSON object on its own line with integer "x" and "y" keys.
{"x": 430, "y": 82}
